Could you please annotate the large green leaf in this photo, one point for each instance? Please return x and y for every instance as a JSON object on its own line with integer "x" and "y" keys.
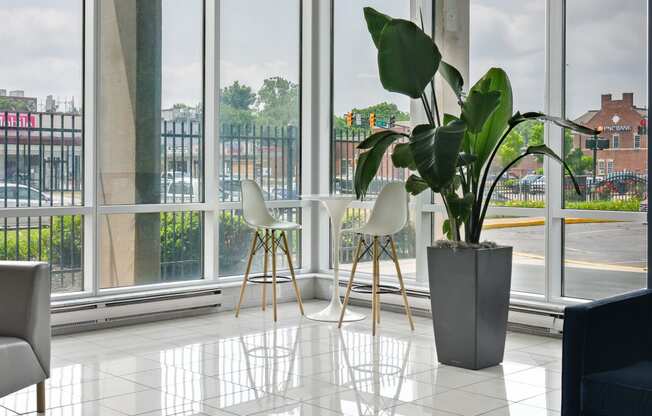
{"x": 435, "y": 152}
{"x": 453, "y": 77}
{"x": 369, "y": 161}
{"x": 460, "y": 207}
{"x": 464, "y": 159}
{"x": 482, "y": 143}
{"x": 377, "y": 137}
{"x": 478, "y": 107}
{"x": 402, "y": 156}
{"x": 376, "y": 22}
{"x": 415, "y": 185}
{"x": 561, "y": 122}
{"x": 407, "y": 58}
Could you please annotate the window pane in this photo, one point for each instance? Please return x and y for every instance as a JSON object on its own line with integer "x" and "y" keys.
{"x": 41, "y": 144}
{"x": 235, "y": 243}
{"x": 603, "y": 258}
{"x": 606, "y": 81}
{"x": 139, "y": 249}
{"x": 260, "y": 97}
{"x": 527, "y": 237}
{"x": 358, "y": 93}
{"x": 512, "y": 33}
{"x": 56, "y": 240}
{"x": 150, "y": 101}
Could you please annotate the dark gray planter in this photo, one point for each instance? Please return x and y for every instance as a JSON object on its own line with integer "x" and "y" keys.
{"x": 469, "y": 292}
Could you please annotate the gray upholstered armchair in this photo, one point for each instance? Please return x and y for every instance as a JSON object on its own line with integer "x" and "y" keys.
{"x": 24, "y": 327}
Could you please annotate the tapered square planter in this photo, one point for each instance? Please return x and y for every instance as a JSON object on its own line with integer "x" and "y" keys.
{"x": 469, "y": 292}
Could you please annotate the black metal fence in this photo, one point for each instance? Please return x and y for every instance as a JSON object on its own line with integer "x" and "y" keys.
{"x": 530, "y": 190}
{"x": 268, "y": 155}
{"x": 344, "y": 154}
{"x": 41, "y": 165}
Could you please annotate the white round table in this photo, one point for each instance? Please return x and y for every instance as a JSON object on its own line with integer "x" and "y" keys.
{"x": 336, "y": 206}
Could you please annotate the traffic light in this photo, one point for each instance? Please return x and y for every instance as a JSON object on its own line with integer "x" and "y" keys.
{"x": 349, "y": 119}
{"x": 392, "y": 121}
{"x": 642, "y": 127}
{"x": 372, "y": 120}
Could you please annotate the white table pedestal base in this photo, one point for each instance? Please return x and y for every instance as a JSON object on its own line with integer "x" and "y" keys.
{"x": 336, "y": 206}
{"x": 332, "y": 313}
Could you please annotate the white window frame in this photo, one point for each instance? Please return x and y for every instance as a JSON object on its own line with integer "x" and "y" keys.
{"x": 92, "y": 211}
{"x": 615, "y": 141}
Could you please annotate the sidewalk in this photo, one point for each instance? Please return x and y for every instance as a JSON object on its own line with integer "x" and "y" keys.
{"x": 496, "y": 223}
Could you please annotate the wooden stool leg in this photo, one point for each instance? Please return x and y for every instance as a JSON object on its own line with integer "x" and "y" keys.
{"x": 374, "y": 288}
{"x": 273, "y": 234}
{"x": 40, "y": 397}
{"x": 252, "y": 252}
{"x": 350, "y": 285}
{"x": 378, "y": 284}
{"x": 400, "y": 282}
{"x": 294, "y": 279}
{"x": 264, "y": 289}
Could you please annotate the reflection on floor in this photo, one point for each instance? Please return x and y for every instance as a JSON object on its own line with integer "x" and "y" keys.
{"x": 217, "y": 365}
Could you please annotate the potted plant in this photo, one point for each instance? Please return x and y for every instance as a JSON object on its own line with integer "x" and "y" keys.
{"x": 451, "y": 156}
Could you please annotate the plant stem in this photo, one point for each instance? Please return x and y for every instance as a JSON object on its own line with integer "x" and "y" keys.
{"x": 478, "y": 230}
{"x": 434, "y": 100}
{"x": 455, "y": 232}
{"x": 426, "y": 107}
{"x": 479, "y": 197}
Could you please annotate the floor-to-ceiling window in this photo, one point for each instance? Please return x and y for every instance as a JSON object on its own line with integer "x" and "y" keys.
{"x": 604, "y": 238}
{"x": 260, "y": 120}
{"x": 361, "y": 106}
{"x": 586, "y": 61}
{"x": 41, "y": 137}
{"x": 104, "y": 156}
{"x": 149, "y": 141}
{"x": 511, "y": 35}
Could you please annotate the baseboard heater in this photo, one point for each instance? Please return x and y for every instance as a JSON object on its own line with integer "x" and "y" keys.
{"x": 131, "y": 309}
{"x": 524, "y": 316}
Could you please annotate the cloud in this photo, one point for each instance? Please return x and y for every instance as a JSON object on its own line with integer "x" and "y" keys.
{"x": 253, "y": 75}
{"x": 605, "y": 49}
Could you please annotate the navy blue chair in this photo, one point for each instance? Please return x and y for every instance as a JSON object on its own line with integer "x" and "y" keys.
{"x": 607, "y": 362}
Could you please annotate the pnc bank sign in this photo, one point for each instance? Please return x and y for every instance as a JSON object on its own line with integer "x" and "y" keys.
{"x": 17, "y": 120}
{"x": 618, "y": 128}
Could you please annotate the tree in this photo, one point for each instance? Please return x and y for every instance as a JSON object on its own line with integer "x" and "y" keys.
{"x": 236, "y": 101}
{"x": 278, "y": 102}
{"x": 238, "y": 96}
{"x": 511, "y": 148}
{"x": 9, "y": 104}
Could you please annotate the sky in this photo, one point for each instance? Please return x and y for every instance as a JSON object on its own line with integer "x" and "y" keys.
{"x": 606, "y": 48}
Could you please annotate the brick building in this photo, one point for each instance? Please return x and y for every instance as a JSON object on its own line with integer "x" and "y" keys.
{"x": 620, "y": 121}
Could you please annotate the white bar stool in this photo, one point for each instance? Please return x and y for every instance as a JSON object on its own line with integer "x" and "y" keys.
{"x": 388, "y": 216}
{"x": 256, "y": 216}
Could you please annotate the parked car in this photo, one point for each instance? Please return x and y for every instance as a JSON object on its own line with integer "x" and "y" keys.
{"x": 18, "y": 196}
{"x": 643, "y": 206}
{"x": 538, "y": 186}
{"x": 182, "y": 191}
{"x": 527, "y": 180}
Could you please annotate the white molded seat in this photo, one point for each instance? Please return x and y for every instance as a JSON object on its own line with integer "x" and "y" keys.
{"x": 255, "y": 212}
{"x": 389, "y": 214}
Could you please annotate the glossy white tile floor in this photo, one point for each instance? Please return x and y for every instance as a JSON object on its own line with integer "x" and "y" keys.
{"x": 219, "y": 365}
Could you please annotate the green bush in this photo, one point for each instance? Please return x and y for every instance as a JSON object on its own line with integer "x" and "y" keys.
{"x": 59, "y": 241}
{"x": 235, "y": 240}
{"x": 631, "y": 204}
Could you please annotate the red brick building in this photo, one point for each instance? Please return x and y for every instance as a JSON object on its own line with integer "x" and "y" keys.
{"x": 620, "y": 121}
